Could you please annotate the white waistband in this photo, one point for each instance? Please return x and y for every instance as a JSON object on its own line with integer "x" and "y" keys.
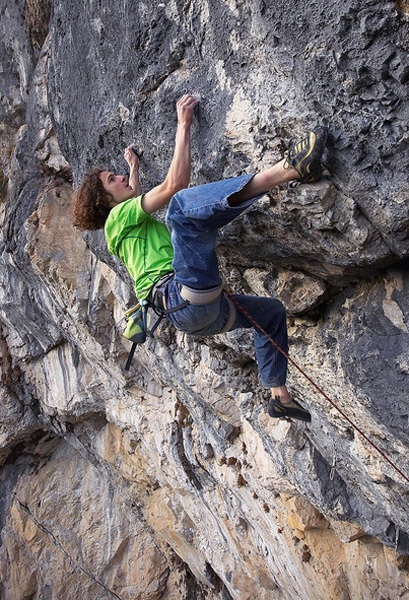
{"x": 200, "y": 297}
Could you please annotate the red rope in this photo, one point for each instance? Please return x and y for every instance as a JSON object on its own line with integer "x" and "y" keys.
{"x": 315, "y": 385}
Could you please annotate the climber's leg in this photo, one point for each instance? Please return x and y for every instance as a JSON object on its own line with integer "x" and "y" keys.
{"x": 193, "y": 218}
{"x": 302, "y": 161}
{"x": 270, "y": 315}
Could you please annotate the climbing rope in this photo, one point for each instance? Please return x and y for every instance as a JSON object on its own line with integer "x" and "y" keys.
{"x": 313, "y": 383}
{"x": 73, "y": 562}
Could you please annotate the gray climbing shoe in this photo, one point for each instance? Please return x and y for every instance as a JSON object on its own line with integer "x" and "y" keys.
{"x": 292, "y": 410}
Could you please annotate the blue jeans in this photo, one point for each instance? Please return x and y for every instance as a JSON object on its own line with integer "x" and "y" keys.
{"x": 194, "y": 215}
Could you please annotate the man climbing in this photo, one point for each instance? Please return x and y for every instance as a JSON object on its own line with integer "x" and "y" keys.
{"x": 175, "y": 265}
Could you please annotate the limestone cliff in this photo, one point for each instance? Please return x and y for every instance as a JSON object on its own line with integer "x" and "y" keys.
{"x": 171, "y": 481}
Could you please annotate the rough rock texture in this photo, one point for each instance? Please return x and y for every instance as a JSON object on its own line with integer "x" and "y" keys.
{"x": 170, "y": 481}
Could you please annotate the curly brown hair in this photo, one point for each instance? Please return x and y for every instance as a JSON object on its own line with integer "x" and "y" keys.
{"x": 91, "y": 202}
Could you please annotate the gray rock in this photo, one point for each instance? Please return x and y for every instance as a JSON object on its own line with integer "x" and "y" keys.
{"x": 171, "y": 480}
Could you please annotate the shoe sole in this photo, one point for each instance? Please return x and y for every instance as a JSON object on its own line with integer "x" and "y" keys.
{"x": 289, "y": 413}
{"x": 315, "y": 139}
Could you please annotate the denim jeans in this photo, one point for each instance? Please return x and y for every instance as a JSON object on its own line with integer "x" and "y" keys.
{"x": 194, "y": 215}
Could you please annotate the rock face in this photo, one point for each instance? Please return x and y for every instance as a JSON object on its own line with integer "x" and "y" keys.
{"x": 171, "y": 481}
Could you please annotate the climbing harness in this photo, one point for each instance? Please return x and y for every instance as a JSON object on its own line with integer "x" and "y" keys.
{"x": 200, "y": 297}
{"x": 137, "y": 317}
{"x": 316, "y": 386}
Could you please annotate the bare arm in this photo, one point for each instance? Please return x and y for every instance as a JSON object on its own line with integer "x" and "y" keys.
{"x": 133, "y": 162}
{"x": 178, "y": 176}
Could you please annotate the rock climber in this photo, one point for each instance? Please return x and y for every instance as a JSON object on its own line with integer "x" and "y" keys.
{"x": 175, "y": 265}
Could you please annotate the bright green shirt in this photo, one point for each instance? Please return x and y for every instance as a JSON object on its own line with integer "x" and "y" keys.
{"x": 141, "y": 242}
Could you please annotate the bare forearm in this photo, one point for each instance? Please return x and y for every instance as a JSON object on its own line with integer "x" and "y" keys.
{"x": 178, "y": 176}
{"x": 134, "y": 180}
{"x": 132, "y": 159}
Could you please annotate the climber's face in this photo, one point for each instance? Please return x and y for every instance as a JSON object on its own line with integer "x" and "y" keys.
{"x": 117, "y": 186}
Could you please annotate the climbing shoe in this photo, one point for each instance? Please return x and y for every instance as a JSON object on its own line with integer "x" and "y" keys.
{"x": 292, "y": 410}
{"x": 305, "y": 156}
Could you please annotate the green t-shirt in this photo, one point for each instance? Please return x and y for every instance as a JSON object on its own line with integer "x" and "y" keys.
{"x": 141, "y": 242}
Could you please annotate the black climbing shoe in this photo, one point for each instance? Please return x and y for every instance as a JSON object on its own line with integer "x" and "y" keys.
{"x": 305, "y": 156}
{"x": 293, "y": 410}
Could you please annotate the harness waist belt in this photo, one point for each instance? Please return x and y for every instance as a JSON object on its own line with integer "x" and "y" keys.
{"x": 163, "y": 280}
{"x": 156, "y": 287}
{"x": 200, "y": 297}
